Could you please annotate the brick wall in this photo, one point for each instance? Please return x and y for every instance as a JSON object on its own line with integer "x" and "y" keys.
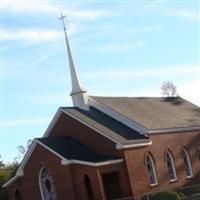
{"x": 68, "y": 180}
{"x": 133, "y": 173}
{"x": 95, "y": 175}
{"x": 137, "y": 171}
{"x": 66, "y": 125}
{"x": 28, "y": 185}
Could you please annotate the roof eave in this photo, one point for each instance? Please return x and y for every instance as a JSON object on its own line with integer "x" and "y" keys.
{"x": 174, "y": 130}
{"x": 13, "y": 179}
{"x": 92, "y": 164}
{"x": 136, "y": 145}
{"x": 64, "y": 161}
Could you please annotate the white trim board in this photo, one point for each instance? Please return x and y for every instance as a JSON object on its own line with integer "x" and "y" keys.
{"x": 53, "y": 122}
{"x": 174, "y": 130}
{"x": 92, "y": 164}
{"x": 127, "y": 146}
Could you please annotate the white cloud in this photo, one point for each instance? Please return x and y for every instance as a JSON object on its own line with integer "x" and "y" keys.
{"x": 46, "y": 99}
{"x": 117, "y": 48}
{"x": 190, "y": 91}
{"x": 22, "y": 7}
{"x": 20, "y": 122}
{"x": 167, "y": 71}
{"x": 190, "y": 15}
{"x": 113, "y": 28}
{"x": 88, "y": 14}
{"x": 32, "y": 35}
{"x": 53, "y": 8}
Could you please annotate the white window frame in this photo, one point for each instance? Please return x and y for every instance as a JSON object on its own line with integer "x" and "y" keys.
{"x": 171, "y": 160}
{"x": 188, "y": 160}
{"x": 153, "y": 170}
{"x": 40, "y": 184}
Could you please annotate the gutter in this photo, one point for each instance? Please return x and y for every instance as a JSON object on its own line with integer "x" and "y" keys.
{"x": 127, "y": 146}
{"x": 174, "y": 130}
{"x": 97, "y": 164}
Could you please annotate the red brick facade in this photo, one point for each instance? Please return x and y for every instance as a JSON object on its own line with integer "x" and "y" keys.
{"x": 71, "y": 127}
{"x": 161, "y": 142}
{"x": 132, "y": 173}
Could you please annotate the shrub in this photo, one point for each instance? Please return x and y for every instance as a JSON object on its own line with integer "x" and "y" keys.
{"x": 187, "y": 191}
{"x": 3, "y": 194}
{"x": 171, "y": 195}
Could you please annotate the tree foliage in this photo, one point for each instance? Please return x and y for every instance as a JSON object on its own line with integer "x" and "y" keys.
{"x": 7, "y": 171}
{"x": 22, "y": 150}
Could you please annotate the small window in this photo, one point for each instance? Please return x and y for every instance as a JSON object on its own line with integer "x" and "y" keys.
{"x": 150, "y": 164}
{"x": 171, "y": 166}
{"x": 187, "y": 163}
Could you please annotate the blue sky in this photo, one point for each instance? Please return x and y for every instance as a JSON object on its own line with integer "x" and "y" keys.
{"x": 121, "y": 48}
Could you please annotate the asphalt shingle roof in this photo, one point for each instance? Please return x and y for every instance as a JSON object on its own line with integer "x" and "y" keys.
{"x": 107, "y": 125}
{"x": 71, "y": 149}
{"x": 155, "y": 113}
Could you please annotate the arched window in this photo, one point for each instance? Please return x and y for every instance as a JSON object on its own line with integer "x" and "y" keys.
{"x": 150, "y": 164}
{"x": 88, "y": 187}
{"x": 18, "y": 195}
{"x": 47, "y": 188}
{"x": 170, "y": 165}
{"x": 187, "y": 163}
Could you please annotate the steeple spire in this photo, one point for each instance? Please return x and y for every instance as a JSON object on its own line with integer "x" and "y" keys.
{"x": 78, "y": 93}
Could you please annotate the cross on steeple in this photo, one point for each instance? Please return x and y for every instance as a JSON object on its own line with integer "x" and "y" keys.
{"x": 78, "y": 94}
{"x": 62, "y": 18}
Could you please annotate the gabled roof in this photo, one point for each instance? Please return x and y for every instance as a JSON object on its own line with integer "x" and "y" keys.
{"x": 69, "y": 151}
{"x": 155, "y": 113}
{"x": 109, "y": 127}
{"x": 73, "y": 150}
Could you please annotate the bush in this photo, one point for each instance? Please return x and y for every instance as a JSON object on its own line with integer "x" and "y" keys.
{"x": 188, "y": 191}
{"x": 166, "y": 196}
{"x": 3, "y": 194}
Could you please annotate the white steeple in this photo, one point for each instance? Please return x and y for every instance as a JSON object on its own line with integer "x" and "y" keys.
{"x": 78, "y": 93}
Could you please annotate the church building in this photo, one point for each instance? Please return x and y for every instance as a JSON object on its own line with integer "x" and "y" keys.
{"x": 111, "y": 148}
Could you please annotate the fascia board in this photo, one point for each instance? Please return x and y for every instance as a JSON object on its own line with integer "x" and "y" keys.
{"x": 53, "y": 122}
{"x": 129, "y": 146}
{"x": 174, "y": 130}
{"x": 92, "y": 164}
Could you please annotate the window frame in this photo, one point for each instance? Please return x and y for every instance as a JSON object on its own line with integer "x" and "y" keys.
{"x": 187, "y": 162}
{"x": 151, "y": 161}
{"x": 168, "y": 154}
{"x": 40, "y": 182}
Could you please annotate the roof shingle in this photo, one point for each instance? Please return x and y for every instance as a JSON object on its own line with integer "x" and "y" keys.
{"x": 71, "y": 149}
{"x": 107, "y": 125}
{"x": 155, "y": 113}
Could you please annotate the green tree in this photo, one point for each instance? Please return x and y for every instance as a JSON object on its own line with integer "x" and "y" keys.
{"x": 7, "y": 171}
